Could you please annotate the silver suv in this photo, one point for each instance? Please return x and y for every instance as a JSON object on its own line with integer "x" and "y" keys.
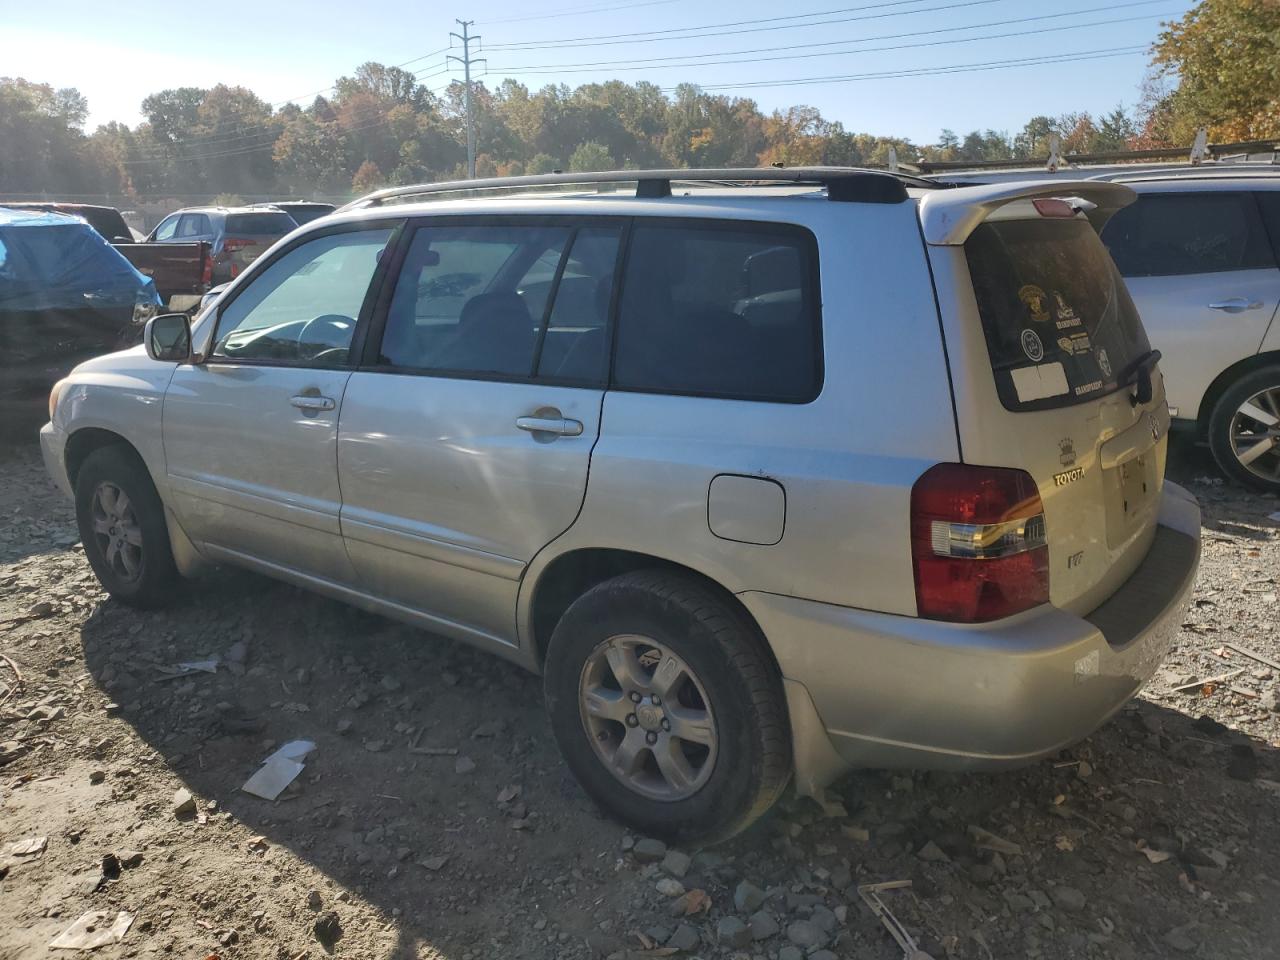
{"x": 773, "y": 474}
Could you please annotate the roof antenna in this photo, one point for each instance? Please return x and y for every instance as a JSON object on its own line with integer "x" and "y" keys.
{"x": 1055, "y": 148}
{"x": 1200, "y": 149}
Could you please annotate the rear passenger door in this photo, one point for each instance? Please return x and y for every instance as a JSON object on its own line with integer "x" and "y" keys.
{"x": 1204, "y": 278}
{"x": 466, "y": 434}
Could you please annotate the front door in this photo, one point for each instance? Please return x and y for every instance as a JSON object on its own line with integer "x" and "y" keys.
{"x": 250, "y": 433}
{"x": 1204, "y": 278}
{"x": 464, "y": 443}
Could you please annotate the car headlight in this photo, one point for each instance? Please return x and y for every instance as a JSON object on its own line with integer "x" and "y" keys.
{"x": 54, "y": 395}
{"x": 146, "y": 304}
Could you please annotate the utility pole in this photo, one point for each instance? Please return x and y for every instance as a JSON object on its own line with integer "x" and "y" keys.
{"x": 467, "y": 60}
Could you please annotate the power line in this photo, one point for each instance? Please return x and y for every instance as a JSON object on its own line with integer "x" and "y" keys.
{"x": 579, "y": 11}
{"x": 686, "y": 62}
{"x": 983, "y": 66}
{"x": 719, "y": 29}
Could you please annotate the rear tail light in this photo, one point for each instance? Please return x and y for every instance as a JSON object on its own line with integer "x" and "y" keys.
{"x": 206, "y": 276}
{"x": 977, "y": 543}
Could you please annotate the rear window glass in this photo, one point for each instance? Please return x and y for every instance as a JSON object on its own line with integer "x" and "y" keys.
{"x": 1177, "y": 234}
{"x": 259, "y": 224}
{"x": 1059, "y": 324}
{"x": 721, "y": 310}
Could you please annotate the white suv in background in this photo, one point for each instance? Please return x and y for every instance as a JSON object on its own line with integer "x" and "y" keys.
{"x": 1201, "y": 257}
{"x": 767, "y": 481}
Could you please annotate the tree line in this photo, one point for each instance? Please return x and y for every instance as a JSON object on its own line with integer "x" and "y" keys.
{"x": 1218, "y": 66}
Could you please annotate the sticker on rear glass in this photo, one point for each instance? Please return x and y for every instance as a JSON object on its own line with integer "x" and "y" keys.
{"x": 1039, "y": 382}
{"x": 1104, "y": 362}
{"x": 1035, "y": 301}
{"x": 1062, "y": 308}
{"x": 1032, "y": 346}
{"x": 1077, "y": 344}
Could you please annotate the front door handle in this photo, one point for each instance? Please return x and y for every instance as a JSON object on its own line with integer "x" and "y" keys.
{"x": 1236, "y": 305}
{"x": 559, "y": 426}
{"x": 312, "y": 403}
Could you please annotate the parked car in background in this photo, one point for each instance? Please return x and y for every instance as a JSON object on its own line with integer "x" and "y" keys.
{"x": 302, "y": 211}
{"x": 1201, "y": 257}
{"x": 851, "y": 500}
{"x": 106, "y": 220}
{"x": 236, "y": 235}
{"x": 182, "y": 272}
{"x": 65, "y": 295}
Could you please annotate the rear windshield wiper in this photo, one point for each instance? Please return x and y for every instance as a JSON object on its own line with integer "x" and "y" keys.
{"x": 1138, "y": 374}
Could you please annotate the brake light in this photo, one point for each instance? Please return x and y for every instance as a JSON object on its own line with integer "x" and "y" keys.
{"x": 206, "y": 275}
{"x": 977, "y": 543}
{"x": 1054, "y": 207}
{"x": 232, "y": 244}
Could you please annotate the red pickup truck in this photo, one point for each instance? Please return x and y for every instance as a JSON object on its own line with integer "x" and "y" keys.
{"x": 182, "y": 272}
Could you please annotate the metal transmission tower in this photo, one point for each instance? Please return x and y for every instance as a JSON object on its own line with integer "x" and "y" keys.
{"x": 467, "y": 60}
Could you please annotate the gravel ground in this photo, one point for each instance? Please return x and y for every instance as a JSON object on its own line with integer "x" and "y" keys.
{"x": 435, "y": 818}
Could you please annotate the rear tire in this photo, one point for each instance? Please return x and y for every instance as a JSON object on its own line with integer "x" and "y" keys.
{"x": 1248, "y": 449}
{"x": 122, "y": 527}
{"x": 708, "y": 756}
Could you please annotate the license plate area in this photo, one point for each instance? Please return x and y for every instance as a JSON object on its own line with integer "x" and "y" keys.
{"x": 1132, "y": 492}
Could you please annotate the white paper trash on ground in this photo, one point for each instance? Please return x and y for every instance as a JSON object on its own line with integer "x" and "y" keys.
{"x": 279, "y": 770}
{"x": 94, "y": 929}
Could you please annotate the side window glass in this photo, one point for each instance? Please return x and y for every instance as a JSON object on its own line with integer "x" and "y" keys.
{"x": 304, "y": 307}
{"x": 1178, "y": 234}
{"x": 190, "y": 225}
{"x": 167, "y": 228}
{"x": 470, "y": 299}
{"x": 1269, "y": 201}
{"x": 575, "y": 345}
{"x": 722, "y": 311}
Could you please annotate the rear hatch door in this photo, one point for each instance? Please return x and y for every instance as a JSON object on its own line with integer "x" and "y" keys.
{"x": 1044, "y": 341}
{"x": 249, "y": 235}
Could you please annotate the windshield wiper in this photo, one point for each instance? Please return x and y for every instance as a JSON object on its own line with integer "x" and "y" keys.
{"x": 1138, "y": 374}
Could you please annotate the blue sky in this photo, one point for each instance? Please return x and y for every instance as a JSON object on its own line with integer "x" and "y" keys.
{"x": 1092, "y": 53}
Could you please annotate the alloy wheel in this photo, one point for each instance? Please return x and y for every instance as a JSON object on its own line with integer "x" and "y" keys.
{"x": 648, "y": 717}
{"x": 1255, "y": 434}
{"x": 117, "y": 531}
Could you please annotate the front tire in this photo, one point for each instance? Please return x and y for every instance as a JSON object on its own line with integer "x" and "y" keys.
{"x": 122, "y": 527}
{"x": 667, "y": 707}
{"x": 1244, "y": 430}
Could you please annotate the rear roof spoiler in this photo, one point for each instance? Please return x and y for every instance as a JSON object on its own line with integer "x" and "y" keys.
{"x": 949, "y": 216}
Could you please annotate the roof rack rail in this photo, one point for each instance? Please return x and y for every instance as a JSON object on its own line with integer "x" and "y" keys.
{"x": 843, "y": 184}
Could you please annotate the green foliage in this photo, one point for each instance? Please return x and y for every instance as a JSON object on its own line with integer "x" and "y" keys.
{"x": 590, "y": 156}
{"x": 1225, "y": 56}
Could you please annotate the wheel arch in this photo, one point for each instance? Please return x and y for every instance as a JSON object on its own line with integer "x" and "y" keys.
{"x": 86, "y": 440}
{"x": 1222, "y": 383}
{"x": 571, "y": 574}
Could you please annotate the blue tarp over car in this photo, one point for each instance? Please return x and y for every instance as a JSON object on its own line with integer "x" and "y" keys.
{"x": 65, "y": 295}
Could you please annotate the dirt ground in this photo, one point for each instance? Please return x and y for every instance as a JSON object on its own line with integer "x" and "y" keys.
{"x": 435, "y": 818}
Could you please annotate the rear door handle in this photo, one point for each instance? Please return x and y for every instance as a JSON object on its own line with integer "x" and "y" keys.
{"x": 312, "y": 403}
{"x": 559, "y": 426}
{"x": 1236, "y": 305}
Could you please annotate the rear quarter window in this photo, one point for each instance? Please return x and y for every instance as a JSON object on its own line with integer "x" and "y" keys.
{"x": 259, "y": 224}
{"x": 720, "y": 309}
{"x": 1059, "y": 324}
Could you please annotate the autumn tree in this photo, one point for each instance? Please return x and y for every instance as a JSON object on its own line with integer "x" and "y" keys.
{"x": 1225, "y": 56}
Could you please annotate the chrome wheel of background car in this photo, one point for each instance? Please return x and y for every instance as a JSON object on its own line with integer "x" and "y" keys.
{"x": 1255, "y": 434}
{"x": 116, "y": 530}
{"x": 648, "y": 717}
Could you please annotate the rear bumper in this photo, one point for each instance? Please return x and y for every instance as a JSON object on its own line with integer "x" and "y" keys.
{"x": 891, "y": 691}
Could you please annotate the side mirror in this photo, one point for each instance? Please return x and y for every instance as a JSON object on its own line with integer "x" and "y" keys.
{"x": 168, "y": 338}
